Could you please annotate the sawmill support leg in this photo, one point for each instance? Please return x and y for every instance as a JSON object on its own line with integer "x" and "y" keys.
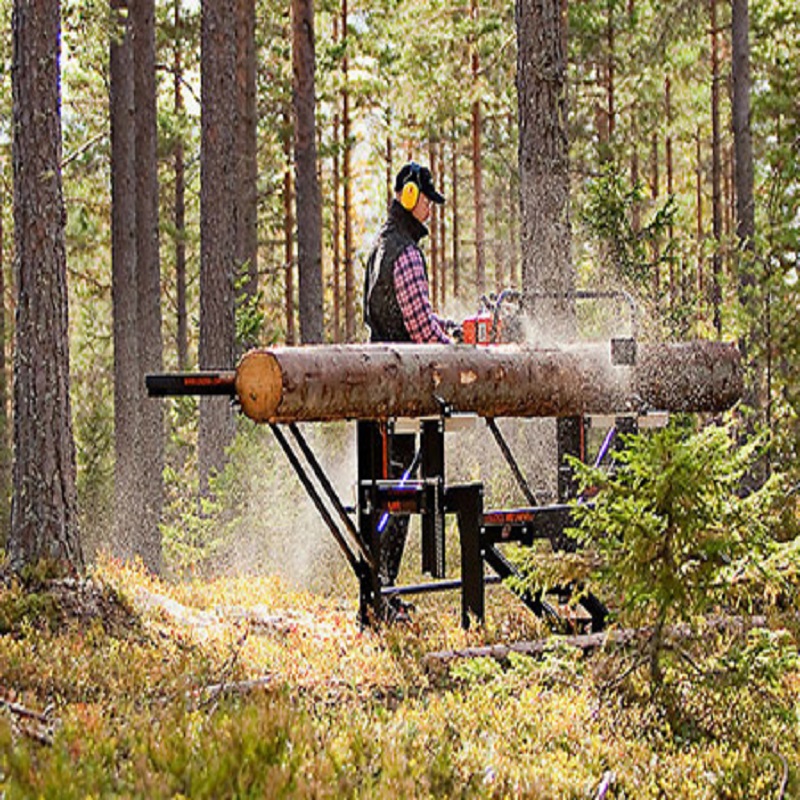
{"x": 467, "y": 502}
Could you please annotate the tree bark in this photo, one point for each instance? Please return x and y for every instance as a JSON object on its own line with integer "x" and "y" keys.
{"x": 288, "y": 233}
{"x": 307, "y": 190}
{"x": 477, "y": 163}
{"x": 336, "y": 382}
{"x": 5, "y": 448}
{"x": 128, "y": 519}
{"x": 179, "y": 214}
{"x": 716, "y": 176}
{"x": 247, "y": 193}
{"x": 455, "y": 211}
{"x": 150, "y": 434}
{"x": 548, "y": 273}
{"x": 743, "y": 146}
{"x": 44, "y": 514}
{"x": 347, "y": 182}
{"x": 219, "y": 229}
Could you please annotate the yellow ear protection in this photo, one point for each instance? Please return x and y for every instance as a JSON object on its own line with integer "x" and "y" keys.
{"x": 410, "y": 192}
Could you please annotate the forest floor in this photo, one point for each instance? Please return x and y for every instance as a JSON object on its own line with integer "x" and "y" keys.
{"x": 121, "y": 685}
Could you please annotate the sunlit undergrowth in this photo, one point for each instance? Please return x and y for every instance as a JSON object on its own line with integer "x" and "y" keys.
{"x": 245, "y": 688}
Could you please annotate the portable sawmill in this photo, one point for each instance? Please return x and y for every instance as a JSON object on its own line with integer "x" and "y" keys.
{"x": 376, "y": 385}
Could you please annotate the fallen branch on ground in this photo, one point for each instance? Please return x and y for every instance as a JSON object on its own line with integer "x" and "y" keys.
{"x": 590, "y": 642}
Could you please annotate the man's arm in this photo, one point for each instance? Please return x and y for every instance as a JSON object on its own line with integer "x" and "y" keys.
{"x": 411, "y": 288}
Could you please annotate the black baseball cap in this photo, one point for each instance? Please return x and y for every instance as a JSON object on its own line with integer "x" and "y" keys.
{"x": 414, "y": 173}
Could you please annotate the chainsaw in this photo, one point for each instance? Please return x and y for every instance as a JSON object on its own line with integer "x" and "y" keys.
{"x": 498, "y": 321}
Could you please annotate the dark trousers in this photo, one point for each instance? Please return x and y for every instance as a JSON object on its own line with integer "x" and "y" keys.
{"x": 393, "y": 539}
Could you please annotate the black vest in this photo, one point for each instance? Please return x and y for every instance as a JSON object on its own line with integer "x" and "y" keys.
{"x": 381, "y": 310}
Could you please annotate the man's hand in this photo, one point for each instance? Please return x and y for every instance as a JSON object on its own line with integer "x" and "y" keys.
{"x": 453, "y": 330}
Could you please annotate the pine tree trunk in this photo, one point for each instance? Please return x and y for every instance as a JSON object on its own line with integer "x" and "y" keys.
{"x": 674, "y": 279}
{"x": 716, "y": 176}
{"x": 247, "y": 193}
{"x": 150, "y": 432}
{"x": 544, "y": 165}
{"x": 347, "y": 180}
{"x": 742, "y": 138}
{"x": 756, "y": 393}
{"x": 454, "y": 211}
{"x": 337, "y": 212}
{"x": 477, "y": 165}
{"x": 288, "y": 233}
{"x": 127, "y": 508}
{"x": 219, "y": 223}
{"x": 307, "y": 191}
{"x": 180, "y": 202}
{"x": 44, "y": 514}
{"x": 5, "y": 448}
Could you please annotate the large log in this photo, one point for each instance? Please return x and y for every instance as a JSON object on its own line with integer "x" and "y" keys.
{"x": 337, "y": 382}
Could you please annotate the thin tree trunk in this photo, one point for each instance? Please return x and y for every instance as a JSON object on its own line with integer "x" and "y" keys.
{"x": 454, "y": 212}
{"x": 434, "y": 228}
{"x": 347, "y": 179}
{"x": 219, "y": 229}
{"x": 44, "y": 514}
{"x": 544, "y": 166}
{"x": 180, "y": 201}
{"x": 247, "y": 194}
{"x": 337, "y": 212}
{"x": 756, "y": 394}
{"x": 716, "y": 176}
{"x": 477, "y": 164}
{"x": 442, "y": 230}
{"x": 5, "y": 449}
{"x": 674, "y": 279}
{"x": 288, "y": 233}
{"x": 700, "y": 277}
{"x": 150, "y": 433}
{"x": 127, "y": 508}
{"x": 308, "y": 200}
{"x": 742, "y": 138}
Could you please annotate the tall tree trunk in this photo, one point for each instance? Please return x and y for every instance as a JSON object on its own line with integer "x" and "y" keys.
{"x": 477, "y": 162}
{"x": 150, "y": 432}
{"x": 219, "y": 217}
{"x": 434, "y": 231}
{"x": 127, "y": 404}
{"x": 337, "y": 212}
{"x": 747, "y": 282}
{"x": 742, "y": 138}
{"x": 716, "y": 176}
{"x": 347, "y": 180}
{"x": 247, "y": 193}
{"x": 307, "y": 191}
{"x": 389, "y": 160}
{"x": 440, "y": 170}
{"x": 288, "y": 232}
{"x": 454, "y": 215}
{"x": 5, "y": 448}
{"x": 701, "y": 278}
{"x": 674, "y": 279}
{"x": 544, "y": 165}
{"x": 44, "y": 514}
{"x": 180, "y": 200}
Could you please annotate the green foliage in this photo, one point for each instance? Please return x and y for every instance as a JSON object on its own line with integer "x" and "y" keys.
{"x": 629, "y": 252}
{"x": 670, "y": 527}
{"x": 159, "y": 706}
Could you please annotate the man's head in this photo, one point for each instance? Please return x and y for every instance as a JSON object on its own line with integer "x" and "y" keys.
{"x": 415, "y": 190}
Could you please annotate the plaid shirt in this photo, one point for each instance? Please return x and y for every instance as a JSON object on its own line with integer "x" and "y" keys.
{"x": 411, "y": 288}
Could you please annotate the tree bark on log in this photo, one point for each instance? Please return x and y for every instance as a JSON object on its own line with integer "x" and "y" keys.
{"x": 336, "y": 382}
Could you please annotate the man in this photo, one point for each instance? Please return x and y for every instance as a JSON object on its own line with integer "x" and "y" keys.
{"x": 397, "y": 304}
{"x": 397, "y": 308}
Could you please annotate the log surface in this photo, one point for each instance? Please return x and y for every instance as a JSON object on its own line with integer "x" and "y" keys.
{"x": 369, "y": 381}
